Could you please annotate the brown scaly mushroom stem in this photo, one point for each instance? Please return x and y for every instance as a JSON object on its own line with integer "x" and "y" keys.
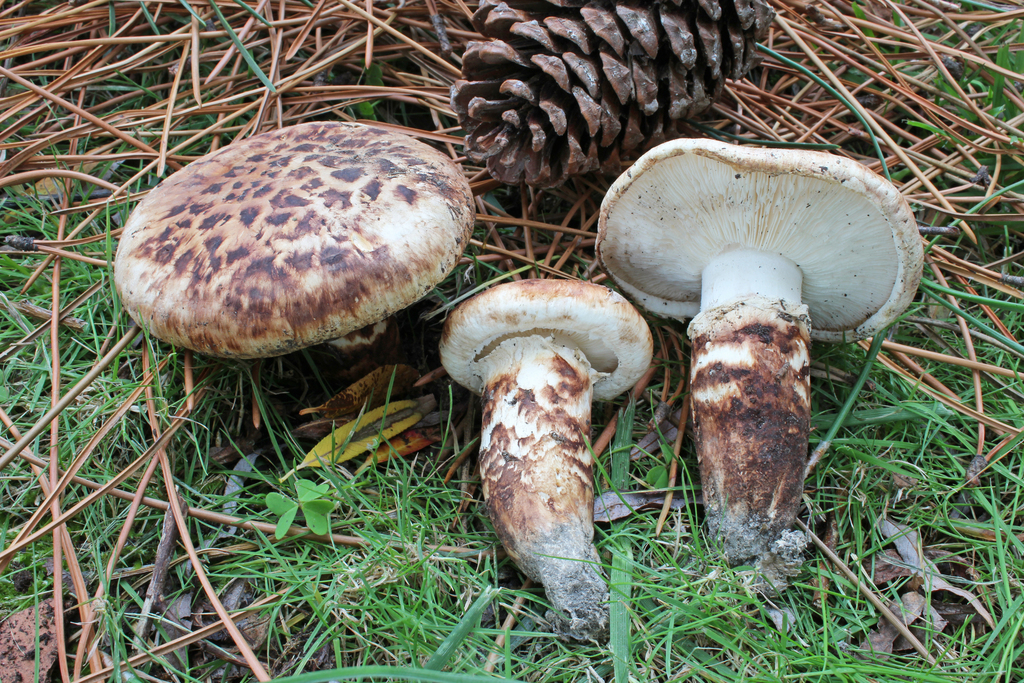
{"x": 537, "y": 475}
{"x": 751, "y": 390}
{"x": 753, "y": 245}
{"x": 538, "y": 351}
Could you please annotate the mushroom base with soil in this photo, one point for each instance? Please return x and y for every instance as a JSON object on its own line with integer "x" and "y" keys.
{"x": 537, "y": 474}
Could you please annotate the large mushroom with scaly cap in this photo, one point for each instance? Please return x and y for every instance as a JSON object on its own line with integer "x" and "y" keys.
{"x": 764, "y": 249}
{"x": 291, "y": 238}
{"x": 537, "y": 351}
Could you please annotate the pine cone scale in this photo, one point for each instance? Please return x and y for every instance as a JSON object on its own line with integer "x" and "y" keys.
{"x": 711, "y": 8}
{"x": 587, "y": 71}
{"x": 618, "y": 75}
{"x": 572, "y": 30}
{"x": 532, "y": 30}
{"x": 553, "y": 66}
{"x": 645, "y": 85}
{"x": 590, "y": 110}
{"x": 523, "y": 91}
{"x": 556, "y": 115}
{"x": 711, "y": 41}
{"x": 641, "y": 25}
{"x": 680, "y": 37}
{"x": 611, "y": 122}
{"x": 602, "y": 22}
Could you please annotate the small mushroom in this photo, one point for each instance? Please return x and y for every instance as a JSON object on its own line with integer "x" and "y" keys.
{"x": 537, "y": 351}
{"x": 291, "y": 238}
{"x": 756, "y": 245}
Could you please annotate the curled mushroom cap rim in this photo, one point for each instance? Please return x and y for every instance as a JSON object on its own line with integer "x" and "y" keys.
{"x": 293, "y": 237}
{"x": 685, "y": 202}
{"x": 611, "y": 333}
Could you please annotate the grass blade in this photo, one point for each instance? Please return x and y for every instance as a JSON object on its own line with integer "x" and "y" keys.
{"x": 246, "y": 55}
{"x": 400, "y": 673}
{"x": 621, "y": 586}
{"x": 621, "y": 445}
{"x": 469, "y": 621}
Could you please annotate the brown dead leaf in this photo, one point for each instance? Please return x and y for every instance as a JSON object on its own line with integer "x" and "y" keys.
{"x": 39, "y": 313}
{"x": 880, "y": 641}
{"x": 821, "y": 582}
{"x": 907, "y": 543}
{"x": 54, "y": 186}
{"x": 369, "y": 431}
{"x": 953, "y": 565}
{"x": 902, "y": 482}
{"x": 913, "y": 606}
{"x": 373, "y": 386}
{"x": 175, "y": 623}
{"x": 19, "y": 636}
{"x": 408, "y": 442}
{"x": 953, "y": 613}
{"x": 314, "y": 430}
{"x": 649, "y": 443}
{"x": 888, "y": 566}
{"x": 938, "y": 623}
{"x": 255, "y": 629}
{"x": 614, "y": 505}
{"x": 885, "y": 639}
{"x": 916, "y": 608}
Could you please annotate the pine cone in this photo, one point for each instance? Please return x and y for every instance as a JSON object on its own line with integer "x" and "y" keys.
{"x": 566, "y": 87}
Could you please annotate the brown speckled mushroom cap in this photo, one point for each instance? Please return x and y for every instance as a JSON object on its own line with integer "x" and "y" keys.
{"x": 609, "y": 331}
{"x": 292, "y": 237}
{"x": 686, "y": 202}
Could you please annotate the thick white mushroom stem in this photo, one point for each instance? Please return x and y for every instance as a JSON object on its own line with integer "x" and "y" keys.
{"x": 750, "y": 382}
{"x": 537, "y": 475}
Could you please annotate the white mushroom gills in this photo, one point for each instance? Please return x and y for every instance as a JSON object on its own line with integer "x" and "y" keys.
{"x": 537, "y": 473}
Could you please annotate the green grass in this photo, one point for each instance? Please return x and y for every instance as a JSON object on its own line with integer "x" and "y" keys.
{"x": 395, "y": 606}
{"x": 394, "y": 602}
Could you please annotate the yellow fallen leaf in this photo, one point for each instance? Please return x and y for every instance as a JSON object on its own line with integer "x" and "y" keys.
{"x": 408, "y": 442}
{"x": 373, "y": 386}
{"x": 364, "y": 433}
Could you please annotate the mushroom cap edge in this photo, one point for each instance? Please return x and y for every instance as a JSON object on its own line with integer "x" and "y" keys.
{"x": 600, "y": 321}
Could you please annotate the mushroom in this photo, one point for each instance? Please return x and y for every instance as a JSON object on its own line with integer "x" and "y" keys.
{"x": 291, "y": 238}
{"x": 754, "y": 245}
{"x": 537, "y": 352}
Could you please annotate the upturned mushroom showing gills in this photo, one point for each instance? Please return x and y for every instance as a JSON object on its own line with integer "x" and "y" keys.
{"x": 765, "y": 249}
{"x": 537, "y": 352}
{"x": 291, "y": 238}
